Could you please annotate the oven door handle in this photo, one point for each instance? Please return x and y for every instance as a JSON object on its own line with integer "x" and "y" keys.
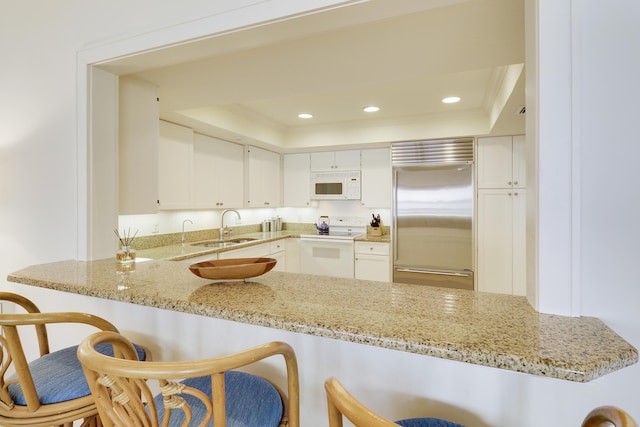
{"x": 325, "y": 240}
{"x": 441, "y": 273}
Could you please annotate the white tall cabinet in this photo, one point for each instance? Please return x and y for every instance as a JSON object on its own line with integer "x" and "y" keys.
{"x": 137, "y": 147}
{"x": 175, "y": 166}
{"x": 501, "y": 215}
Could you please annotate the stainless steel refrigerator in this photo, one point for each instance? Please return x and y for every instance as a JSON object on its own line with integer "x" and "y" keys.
{"x": 433, "y": 213}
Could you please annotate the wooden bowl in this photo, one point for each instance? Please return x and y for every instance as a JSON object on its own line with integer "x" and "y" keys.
{"x": 232, "y": 268}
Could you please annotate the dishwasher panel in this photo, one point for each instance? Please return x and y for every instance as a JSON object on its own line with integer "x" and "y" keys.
{"x": 326, "y": 257}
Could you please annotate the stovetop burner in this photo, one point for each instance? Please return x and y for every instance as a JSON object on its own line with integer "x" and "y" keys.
{"x": 341, "y": 228}
{"x": 351, "y": 233}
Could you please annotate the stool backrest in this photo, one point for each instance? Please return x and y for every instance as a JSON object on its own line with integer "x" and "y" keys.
{"x": 607, "y": 416}
{"x": 121, "y": 384}
{"x": 15, "y": 332}
{"x": 340, "y": 402}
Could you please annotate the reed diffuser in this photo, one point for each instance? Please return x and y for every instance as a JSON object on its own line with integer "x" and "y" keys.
{"x": 126, "y": 254}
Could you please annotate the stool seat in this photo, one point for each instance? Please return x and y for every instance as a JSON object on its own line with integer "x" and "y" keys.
{"x": 250, "y": 401}
{"x": 427, "y": 422}
{"x": 58, "y": 376}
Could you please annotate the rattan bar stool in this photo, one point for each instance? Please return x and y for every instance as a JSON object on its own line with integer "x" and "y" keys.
{"x": 608, "y": 416}
{"x": 192, "y": 392}
{"x": 342, "y": 403}
{"x": 50, "y": 390}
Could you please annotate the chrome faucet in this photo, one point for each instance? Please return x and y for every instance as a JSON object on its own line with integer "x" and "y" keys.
{"x": 224, "y": 231}
{"x": 183, "y": 236}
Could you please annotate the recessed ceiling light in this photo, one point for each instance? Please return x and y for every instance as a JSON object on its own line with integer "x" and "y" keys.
{"x": 451, "y": 100}
{"x": 371, "y": 109}
{"x": 305, "y": 115}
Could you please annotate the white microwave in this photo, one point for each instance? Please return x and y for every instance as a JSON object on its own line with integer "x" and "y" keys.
{"x": 335, "y": 185}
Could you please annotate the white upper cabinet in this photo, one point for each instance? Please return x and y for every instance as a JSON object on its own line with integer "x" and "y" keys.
{"x": 519, "y": 162}
{"x": 295, "y": 181}
{"x": 175, "y": 170}
{"x": 263, "y": 178}
{"x": 376, "y": 178}
{"x": 218, "y": 173}
{"x": 330, "y": 161}
{"x": 501, "y": 162}
{"x": 137, "y": 147}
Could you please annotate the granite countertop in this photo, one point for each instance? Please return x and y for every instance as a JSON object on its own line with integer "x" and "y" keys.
{"x": 189, "y": 250}
{"x": 385, "y": 238}
{"x": 486, "y": 329}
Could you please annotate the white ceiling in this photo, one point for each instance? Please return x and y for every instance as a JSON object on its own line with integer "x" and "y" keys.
{"x": 402, "y": 55}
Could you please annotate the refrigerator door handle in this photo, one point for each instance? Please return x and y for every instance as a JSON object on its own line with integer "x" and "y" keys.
{"x": 442, "y": 273}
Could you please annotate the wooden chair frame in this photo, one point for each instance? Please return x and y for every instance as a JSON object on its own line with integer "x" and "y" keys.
{"x": 340, "y": 402}
{"x": 120, "y": 385}
{"x": 35, "y": 414}
{"x": 608, "y": 414}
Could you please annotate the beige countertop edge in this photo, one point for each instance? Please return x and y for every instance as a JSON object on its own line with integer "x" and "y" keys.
{"x": 549, "y": 354}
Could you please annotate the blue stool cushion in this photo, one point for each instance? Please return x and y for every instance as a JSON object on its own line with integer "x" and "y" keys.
{"x": 251, "y": 401}
{"x": 427, "y": 422}
{"x": 58, "y": 376}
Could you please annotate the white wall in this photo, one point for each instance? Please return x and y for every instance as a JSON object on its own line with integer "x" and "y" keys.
{"x": 607, "y": 91}
{"x": 39, "y": 197}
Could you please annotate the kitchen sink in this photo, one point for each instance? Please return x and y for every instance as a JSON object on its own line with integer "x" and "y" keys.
{"x": 242, "y": 240}
{"x": 223, "y": 243}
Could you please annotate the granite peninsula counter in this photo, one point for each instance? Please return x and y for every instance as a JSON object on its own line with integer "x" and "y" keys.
{"x": 485, "y": 329}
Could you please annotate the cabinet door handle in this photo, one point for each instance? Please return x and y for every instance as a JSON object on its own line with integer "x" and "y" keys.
{"x": 509, "y": 183}
{"x": 515, "y": 183}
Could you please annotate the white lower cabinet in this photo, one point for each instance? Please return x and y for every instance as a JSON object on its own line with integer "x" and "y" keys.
{"x": 372, "y": 261}
{"x": 293, "y": 255}
{"x": 277, "y": 251}
{"x": 256, "y": 251}
{"x": 274, "y": 250}
{"x": 201, "y": 258}
{"x": 501, "y": 241}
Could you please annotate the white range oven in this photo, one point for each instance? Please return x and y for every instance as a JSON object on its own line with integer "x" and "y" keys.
{"x": 330, "y": 254}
